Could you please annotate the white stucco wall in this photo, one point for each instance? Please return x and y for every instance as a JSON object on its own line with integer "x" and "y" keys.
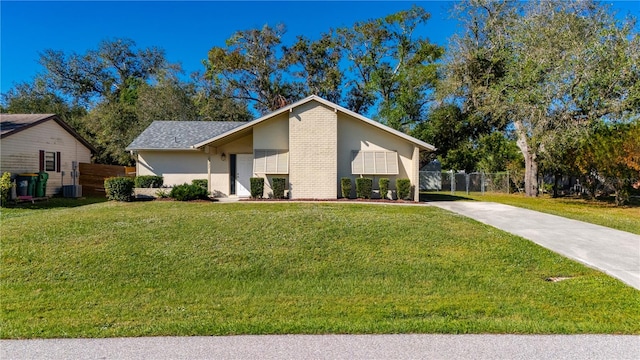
{"x": 179, "y": 167}
{"x": 353, "y": 134}
{"x": 20, "y": 153}
{"x": 272, "y": 134}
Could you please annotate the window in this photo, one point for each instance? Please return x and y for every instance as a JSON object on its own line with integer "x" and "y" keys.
{"x": 374, "y": 162}
{"x": 50, "y": 161}
{"x": 271, "y": 161}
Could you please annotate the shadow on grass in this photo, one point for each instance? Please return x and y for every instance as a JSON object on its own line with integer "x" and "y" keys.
{"x": 56, "y": 202}
{"x": 441, "y": 196}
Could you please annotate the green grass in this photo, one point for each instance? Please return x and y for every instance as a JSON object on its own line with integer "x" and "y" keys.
{"x": 625, "y": 218}
{"x": 26, "y": 208}
{"x": 172, "y": 268}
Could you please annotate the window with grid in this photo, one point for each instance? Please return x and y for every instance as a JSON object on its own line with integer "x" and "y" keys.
{"x": 374, "y": 162}
{"x": 268, "y": 161}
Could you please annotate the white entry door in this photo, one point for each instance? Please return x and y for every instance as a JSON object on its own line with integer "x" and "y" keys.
{"x": 244, "y": 169}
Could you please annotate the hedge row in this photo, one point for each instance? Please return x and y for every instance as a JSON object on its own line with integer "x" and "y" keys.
{"x": 148, "y": 181}
{"x": 364, "y": 188}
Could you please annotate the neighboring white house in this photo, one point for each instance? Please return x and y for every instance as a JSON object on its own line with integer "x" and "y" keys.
{"x": 31, "y": 143}
{"x": 312, "y": 143}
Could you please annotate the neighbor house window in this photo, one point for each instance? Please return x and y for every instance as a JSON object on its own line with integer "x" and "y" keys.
{"x": 374, "y": 162}
{"x": 50, "y": 161}
{"x": 266, "y": 161}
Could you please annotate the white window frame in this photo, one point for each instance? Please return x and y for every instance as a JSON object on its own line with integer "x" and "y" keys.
{"x": 271, "y": 161}
{"x": 50, "y": 158}
{"x": 374, "y": 162}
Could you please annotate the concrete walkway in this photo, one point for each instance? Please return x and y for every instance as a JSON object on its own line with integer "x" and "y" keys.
{"x": 614, "y": 252}
{"x": 330, "y": 347}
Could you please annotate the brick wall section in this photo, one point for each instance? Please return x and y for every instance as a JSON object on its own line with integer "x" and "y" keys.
{"x": 313, "y": 141}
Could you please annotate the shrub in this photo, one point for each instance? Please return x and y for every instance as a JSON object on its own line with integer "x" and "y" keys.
{"x": 257, "y": 187}
{"x": 364, "y": 186}
{"x": 403, "y": 187}
{"x": 162, "y": 194}
{"x": 148, "y": 181}
{"x": 278, "y": 185}
{"x": 345, "y": 184}
{"x": 203, "y": 183}
{"x": 186, "y": 192}
{"x": 5, "y": 188}
{"x": 384, "y": 187}
{"x": 119, "y": 188}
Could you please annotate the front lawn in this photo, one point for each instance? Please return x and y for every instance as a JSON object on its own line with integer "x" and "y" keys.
{"x": 172, "y": 268}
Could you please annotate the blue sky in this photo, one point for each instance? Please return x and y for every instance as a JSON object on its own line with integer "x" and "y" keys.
{"x": 185, "y": 30}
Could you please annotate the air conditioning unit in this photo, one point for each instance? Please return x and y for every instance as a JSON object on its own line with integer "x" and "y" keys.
{"x": 72, "y": 191}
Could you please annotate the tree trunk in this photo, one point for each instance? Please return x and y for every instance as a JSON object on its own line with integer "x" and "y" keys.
{"x": 556, "y": 179}
{"x": 530, "y": 161}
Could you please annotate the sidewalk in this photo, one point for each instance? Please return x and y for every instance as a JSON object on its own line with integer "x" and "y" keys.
{"x": 351, "y": 347}
{"x": 614, "y": 252}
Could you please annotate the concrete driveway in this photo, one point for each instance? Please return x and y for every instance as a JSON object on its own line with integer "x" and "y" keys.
{"x": 614, "y": 252}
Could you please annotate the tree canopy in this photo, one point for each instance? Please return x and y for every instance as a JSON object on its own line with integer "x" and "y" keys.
{"x": 546, "y": 86}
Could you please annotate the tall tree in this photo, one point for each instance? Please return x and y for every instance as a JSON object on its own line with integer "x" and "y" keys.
{"x": 547, "y": 66}
{"x": 36, "y": 97}
{"x": 103, "y": 73}
{"x": 252, "y": 67}
{"x": 389, "y": 68}
{"x": 317, "y": 63}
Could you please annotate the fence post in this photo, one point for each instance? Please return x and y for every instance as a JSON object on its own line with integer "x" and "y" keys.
{"x": 508, "y": 183}
{"x": 466, "y": 180}
{"x": 482, "y": 182}
{"x": 453, "y": 183}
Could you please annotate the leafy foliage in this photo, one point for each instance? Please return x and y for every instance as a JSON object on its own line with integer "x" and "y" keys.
{"x": 524, "y": 64}
{"x": 345, "y": 186}
{"x": 5, "y": 187}
{"x": 609, "y": 156}
{"x": 403, "y": 187}
{"x": 203, "y": 183}
{"x": 383, "y": 185}
{"x": 364, "y": 188}
{"x": 278, "y": 186}
{"x": 119, "y": 188}
{"x": 257, "y": 187}
{"x": 187, "y": 192}
{"x": 148, "y": 181}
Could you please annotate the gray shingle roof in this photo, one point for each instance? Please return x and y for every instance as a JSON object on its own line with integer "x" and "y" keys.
{"x": 14, "y": 123}
{"x": 10, "y": 123}
{"x": 168, "y": 135}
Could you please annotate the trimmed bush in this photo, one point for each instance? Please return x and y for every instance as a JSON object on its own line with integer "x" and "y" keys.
{"x": 186, "y": 192}
{"x": 203, "y": 183}
{"x": 345, "y": 184}
{"x": 5, "y": 188}
{"x": 278, "y": 185}
{"x": 257, "y": 187}
{"x": 119, "y": 188}
{"x": 403, "y": 187}
{"x": 148, "y": 181}
{"x": 383, "y": 183}
{"x": 364, "y": 186}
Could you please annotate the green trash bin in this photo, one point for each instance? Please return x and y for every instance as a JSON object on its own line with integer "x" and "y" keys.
{"x": 27, "y": 181}
{"x": 41, "y": 184}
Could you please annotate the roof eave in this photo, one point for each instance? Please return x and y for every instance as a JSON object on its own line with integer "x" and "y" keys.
{"x": 419, "y": 143}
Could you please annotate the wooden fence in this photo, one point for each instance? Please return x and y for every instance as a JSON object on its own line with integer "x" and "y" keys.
{"x": 92, "y": 176}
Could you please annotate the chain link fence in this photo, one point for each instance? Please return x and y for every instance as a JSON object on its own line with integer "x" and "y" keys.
{"x": 451, "y": 181}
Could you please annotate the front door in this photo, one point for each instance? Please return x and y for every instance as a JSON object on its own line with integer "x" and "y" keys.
{"x": 244, "y": 169}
